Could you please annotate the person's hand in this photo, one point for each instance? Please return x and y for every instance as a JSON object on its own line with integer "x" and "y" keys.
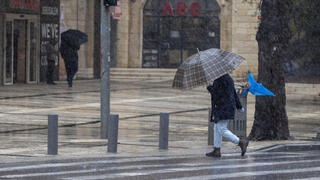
{"x": 241, "y": 110}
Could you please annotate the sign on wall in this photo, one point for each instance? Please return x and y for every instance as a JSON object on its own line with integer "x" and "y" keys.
{"x": 20, "y": 6}
{"x": 49, "y": 31}
{"x": 117, "y": 11}
{"x": 182, "y": 9}
{"x": 24, "y": 4}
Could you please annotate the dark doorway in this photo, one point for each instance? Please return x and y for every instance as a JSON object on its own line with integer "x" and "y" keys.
{"x": 19, "y": 51}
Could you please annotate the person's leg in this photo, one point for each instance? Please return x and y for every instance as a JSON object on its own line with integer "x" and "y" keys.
{"x": 69, "y": 76}
{"x": 68, "y": 71}
{"x": 243, "y": 143}
{"x": 50, "y": 71}
{"x": 75, "y": 67}
{"x": 73, "y": 71}
{"x": 225, "y": 132}
{"x": 217, "y": 140}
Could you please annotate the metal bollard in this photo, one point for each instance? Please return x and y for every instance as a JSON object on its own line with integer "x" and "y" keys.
{"x": 164, "y": 130}
{"x": 52, "y": 134}
{"x": 113, "y": 133}
{"x": 210, "y": 128}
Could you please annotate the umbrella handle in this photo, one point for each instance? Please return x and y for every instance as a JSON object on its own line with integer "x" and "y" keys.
{"x": 246, "y": 86}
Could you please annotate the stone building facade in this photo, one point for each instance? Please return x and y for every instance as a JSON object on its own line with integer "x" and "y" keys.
{"x": 148, "y": 34}
{"x": 79, "y": 14}
{"x": 238, "y": 27}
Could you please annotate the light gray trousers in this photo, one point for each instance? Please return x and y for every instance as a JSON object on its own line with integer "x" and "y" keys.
{"x": 221, "y": 130}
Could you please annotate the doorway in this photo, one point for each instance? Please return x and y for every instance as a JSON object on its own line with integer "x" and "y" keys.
{"x": 21, "y": 49}
{"x": 171, "y": 35}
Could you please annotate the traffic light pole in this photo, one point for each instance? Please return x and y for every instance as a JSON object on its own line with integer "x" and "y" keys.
{"x": 105, "y": 70}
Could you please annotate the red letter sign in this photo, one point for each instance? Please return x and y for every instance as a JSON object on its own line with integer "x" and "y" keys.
{"x": 16, "y": 3}
{"x": 182, "y": 9}
{"x": 193, "y": 6}
{"x": 167, "y": 9}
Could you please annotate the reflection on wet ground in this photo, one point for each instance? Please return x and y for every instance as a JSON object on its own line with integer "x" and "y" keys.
{"x": 24, "y": 110}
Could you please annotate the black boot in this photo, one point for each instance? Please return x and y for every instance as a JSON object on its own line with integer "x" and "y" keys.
{"x": 214, "y": 153}
{"x": 243, "y": 143}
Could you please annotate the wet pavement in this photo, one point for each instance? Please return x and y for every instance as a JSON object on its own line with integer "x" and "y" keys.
{"x": 24, "y": 110}
{"x": 254, "y": 165}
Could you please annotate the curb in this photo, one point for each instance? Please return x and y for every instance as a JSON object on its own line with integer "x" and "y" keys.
{"x": 291, "y": 148}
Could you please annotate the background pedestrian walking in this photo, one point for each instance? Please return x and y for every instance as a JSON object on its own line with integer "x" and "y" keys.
{"x": 71, "y": 41}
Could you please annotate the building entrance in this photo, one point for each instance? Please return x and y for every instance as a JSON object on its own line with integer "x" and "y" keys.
{"x": 21, "y": 50}
{"x": 174, "y": 29}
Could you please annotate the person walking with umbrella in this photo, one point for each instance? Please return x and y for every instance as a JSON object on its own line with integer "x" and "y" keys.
{"x": 70, "y": 44}
{"x": 203, "y": 68}
{"x": 224, "y": 101}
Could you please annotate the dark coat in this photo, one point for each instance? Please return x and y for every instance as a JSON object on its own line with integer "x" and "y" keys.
{"x": 224, "y": 99}
{"x": 70, "y": 56}
{"x": 69, "y": 53}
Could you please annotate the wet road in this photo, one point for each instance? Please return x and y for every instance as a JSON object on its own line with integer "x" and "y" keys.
{"x": 259, "y": 165}
{"x": 23, "y": 116}
{"x": 23, "y": 135}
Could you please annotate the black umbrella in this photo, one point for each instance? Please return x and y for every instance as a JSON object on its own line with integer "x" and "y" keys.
{"x": 74, "y": 37}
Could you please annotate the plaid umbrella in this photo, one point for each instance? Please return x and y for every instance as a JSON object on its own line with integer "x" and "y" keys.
{"x": 204, "y": 67}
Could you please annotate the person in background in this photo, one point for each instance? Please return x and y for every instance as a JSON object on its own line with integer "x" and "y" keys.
{"x": 51, "y": 56}
{"x": 70, "y": 56}
{"x": 224, "y": 101}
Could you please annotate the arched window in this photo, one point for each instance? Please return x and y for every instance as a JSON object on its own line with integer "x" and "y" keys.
{"x": 174, "y": 29}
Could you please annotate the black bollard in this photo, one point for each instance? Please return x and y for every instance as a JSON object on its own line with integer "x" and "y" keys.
{"x": 113, "y": 133}
{"x": 52, "y": 134}
{"x": 164, "y": 130}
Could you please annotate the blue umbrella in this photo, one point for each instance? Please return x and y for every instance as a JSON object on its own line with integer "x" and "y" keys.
{"x": 256, "y": 88}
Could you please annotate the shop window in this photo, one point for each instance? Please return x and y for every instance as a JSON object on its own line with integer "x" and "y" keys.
{"x": 174, "y": 29}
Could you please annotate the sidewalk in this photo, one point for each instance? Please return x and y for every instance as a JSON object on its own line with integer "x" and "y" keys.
{"x": 24, "y": 110}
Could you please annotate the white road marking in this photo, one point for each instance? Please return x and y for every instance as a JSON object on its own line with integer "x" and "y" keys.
{"x": 206, "y": 167}
{"x": 251, "y": 173}
{"x": 185, "y": 167}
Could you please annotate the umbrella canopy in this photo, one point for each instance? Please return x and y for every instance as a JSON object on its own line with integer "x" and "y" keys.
{"x": 74, "y": 38}
{"x": 256, "y": 88}
{"x": 204, "y": 67}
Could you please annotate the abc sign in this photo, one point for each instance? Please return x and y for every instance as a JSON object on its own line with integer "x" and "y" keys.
{"x": 182, "y": 9}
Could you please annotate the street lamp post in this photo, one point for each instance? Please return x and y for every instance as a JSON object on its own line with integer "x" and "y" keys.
{"x": 105, "y": 70}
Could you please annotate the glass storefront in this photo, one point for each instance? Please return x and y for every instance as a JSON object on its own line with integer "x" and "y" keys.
{"x": 21, "y": 48}
{"x": 25, "y": 25}
{"x": 173, "y": 30}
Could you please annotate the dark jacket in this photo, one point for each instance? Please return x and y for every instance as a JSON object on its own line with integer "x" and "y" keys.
{"x": 68, "y": 52}
{"x": 224, "y": 99}
{"x": 51, "y": 51}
